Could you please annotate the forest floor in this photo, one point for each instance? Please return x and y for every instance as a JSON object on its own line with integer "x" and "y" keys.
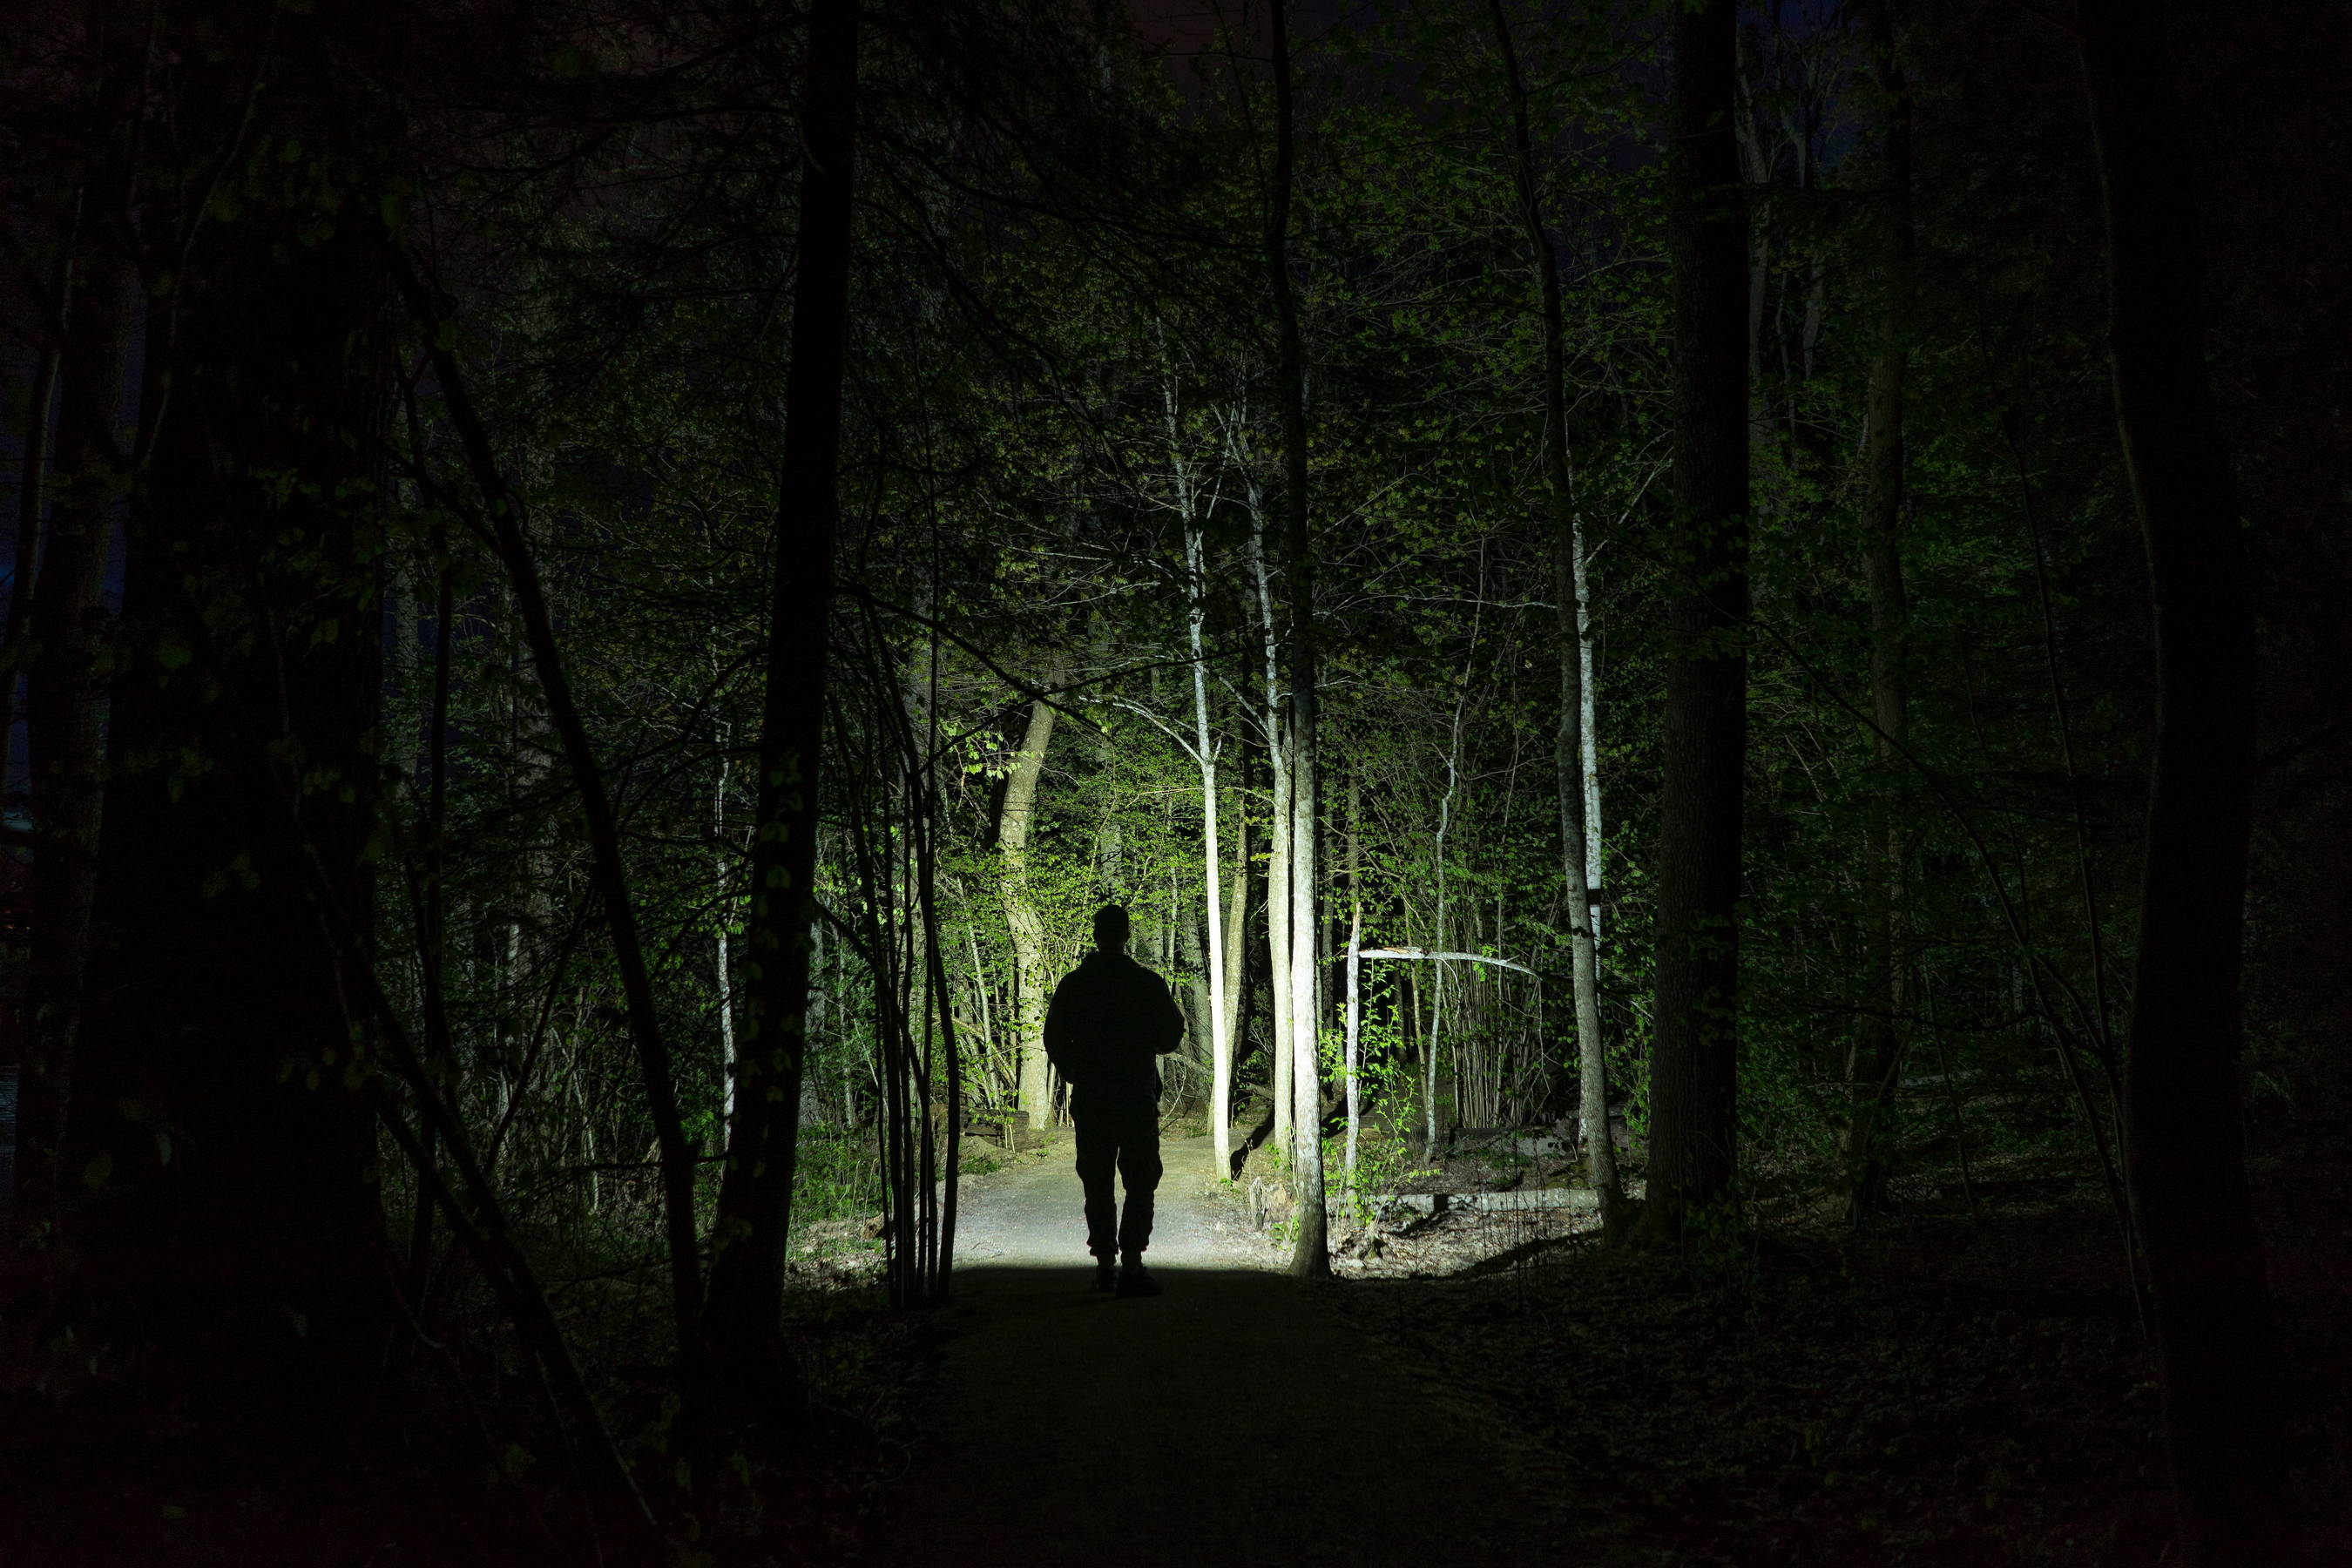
{"x": 1232, "y": 1418}
{"x": 1964, "y": 1387}
{"x": 1958, "y": 1385}
{"x": 1961, "y": 1386}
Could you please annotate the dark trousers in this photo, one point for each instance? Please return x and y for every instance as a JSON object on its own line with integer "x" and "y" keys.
{"x": 1124, "y": 1134}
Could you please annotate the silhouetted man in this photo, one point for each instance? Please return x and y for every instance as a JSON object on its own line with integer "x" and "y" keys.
{"x": 1109, "y": 1020}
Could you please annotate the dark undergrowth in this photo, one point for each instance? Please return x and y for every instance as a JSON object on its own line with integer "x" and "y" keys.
{"x": 439, "y": 1453}
{"x": 1945, "y": 1389}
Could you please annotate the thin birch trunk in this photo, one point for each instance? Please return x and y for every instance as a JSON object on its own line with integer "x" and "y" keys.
{"x": 1236, "y": 923}
{"x": 1436, "y": 1004}
{"x": 1221, "y": 1049}
{"x": 1588, "y": 724}
{"x": 1571, "y": 746}
{"x": 1312, "y": 1257}
{"x": 1220, "y": 1055}
{"x": 726, "y": 961}
{"x": 1355, "y": 969}
{"x": 1591, "y": 1052}
{"x": 1278, "y": 859}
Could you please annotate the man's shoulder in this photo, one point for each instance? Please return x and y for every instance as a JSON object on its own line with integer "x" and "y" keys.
{"x": 1137, "y": 974}
{"x": 1091, "y": 969}
{"x": 1092, "y": 975}
{"x": 1115, "y": 975}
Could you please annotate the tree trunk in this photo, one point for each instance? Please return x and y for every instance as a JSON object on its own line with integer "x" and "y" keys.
{"x": 1312, "y": 1258}
{"x": 65, "y": 696}
{"x": 1030, "y": 980}
{"x": 506, "y": 522}
{"x": 1878, "y": 1056}
{"x": 32, "y": 474}
{"x": 745, "y": 1302}
{"x": 1587, "y": 742}
{"x": 723, "y": 960}
{"x": 2184, "y": 1147}
{"x": 1692, "y": 1065}
{"x": 1354, "y": 1021}
{"x": 432, "y": 924}
{"x": 1435, "y": 1008}
{"x": 949, "y": 1058}
{"x": 1592, "y": 1055}
{"x": 1568, "y": 749}
{"x": 1278, "y": 854}
{"x": 1220, "y": 1051}
{"x": 228, "y": 1211}
{"x": 1236, "y": 963}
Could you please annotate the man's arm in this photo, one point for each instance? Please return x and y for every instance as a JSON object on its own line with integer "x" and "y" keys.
{"x": 1170, "y": 1025}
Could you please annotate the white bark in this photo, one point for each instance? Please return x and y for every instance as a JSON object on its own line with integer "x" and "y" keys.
{"x": 1278, "y": 861}
{"x": 1437, "y": 973}
{"x": 1220, "y": 1056}
{"x": 1578, "y": 850}
{"x": 1307, "y": 1090}
{"x": 1355, "y": 1029}
{"x": 726, "y": 967}
{"x": 1236, "y": 918}
{"x": 1221, "y": 1050}
{"x": 1021, "y": 913}
{"x": 1587, "y": 727}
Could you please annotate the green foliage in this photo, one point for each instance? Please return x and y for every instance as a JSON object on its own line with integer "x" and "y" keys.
{"x": 1045, "y": 407}
{"x": 836, "y": 1178}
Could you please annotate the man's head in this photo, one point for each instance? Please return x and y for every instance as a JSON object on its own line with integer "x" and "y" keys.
{"x": 1110, "y": 928}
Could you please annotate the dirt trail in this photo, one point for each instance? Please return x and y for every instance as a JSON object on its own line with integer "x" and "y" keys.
{"x": 1231, "y": 1419}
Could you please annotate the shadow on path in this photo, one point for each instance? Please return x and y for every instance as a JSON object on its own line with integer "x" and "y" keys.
{"x": 1231, "y": 1419}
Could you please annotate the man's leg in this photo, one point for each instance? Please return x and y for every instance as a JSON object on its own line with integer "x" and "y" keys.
{"x": 1138, "y": 1170}
{"x": 1097, "y": 1141}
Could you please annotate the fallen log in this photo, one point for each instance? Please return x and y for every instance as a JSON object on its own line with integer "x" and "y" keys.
{"x": 1516, "y": 1201}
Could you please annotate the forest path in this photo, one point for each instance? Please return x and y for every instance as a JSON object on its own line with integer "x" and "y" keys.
{"x": 1232, "y": 1418}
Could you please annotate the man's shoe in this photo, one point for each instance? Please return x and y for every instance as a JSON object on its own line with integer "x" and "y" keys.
{"x": 1106, "y": 1275}
{"x": 1134, "y": 1280}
